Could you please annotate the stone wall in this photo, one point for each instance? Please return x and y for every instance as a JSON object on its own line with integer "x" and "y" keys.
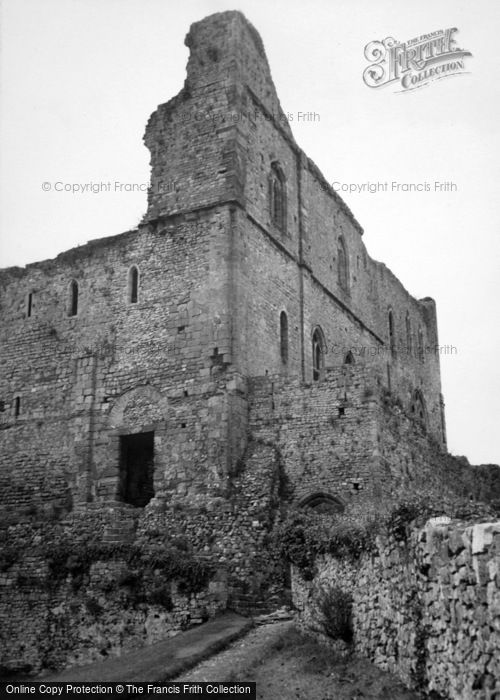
{"x": 218, "y": 141}
{"x": 70, "y": 592}
{"x": 71, "y": 385}
{"x": 325, "y": 432}
{"x": 195, "y": 365}
{"x": 425, "y": 607}
{"x": 350, "y": 437}
{"x": 215, "y": 274}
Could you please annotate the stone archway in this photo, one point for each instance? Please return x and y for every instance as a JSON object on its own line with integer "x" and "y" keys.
{"x": 323, "y": 503}
{"x": 134, "y": 463}
{"x": 137, "y": 408}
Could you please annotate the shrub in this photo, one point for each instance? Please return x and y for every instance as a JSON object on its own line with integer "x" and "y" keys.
{"x": 406, "y": 512}
{"x": 335, "y": 611}
{"x": 304, "y": 535}
{"x": 177, "y": 565}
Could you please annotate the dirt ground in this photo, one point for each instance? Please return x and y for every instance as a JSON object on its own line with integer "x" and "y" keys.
{"x": 288, "y": 665}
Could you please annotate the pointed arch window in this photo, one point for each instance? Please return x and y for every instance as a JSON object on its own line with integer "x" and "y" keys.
{"x": 342, "y": 264}
{"x": 73, "y": 298}
{"x": 349, "y": 358}
{"x": 284, "y": 337}
{"x": 277, "y": 197}
{"x": 323, "y": 504}
{"x": 318, "y": 353}
{"x": 133, "y": 285}
{"x": 418, "y": 409}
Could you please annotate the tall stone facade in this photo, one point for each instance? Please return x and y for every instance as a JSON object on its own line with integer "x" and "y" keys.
{"x": 138, "y": 371}
{"x": 246, "y": 264}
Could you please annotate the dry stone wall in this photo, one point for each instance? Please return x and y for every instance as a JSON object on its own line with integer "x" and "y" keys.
{"x": 426, "y": 608}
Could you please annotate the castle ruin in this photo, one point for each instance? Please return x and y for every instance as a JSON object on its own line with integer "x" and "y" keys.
{"x": 239, "y": 349}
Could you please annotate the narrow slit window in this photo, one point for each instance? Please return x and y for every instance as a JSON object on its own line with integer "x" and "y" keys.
{"x": 30, "y": 304}
{"x": 392, "y": 336}
{"x": 342, "y": 266}
{"x": 318, "y": 354}
{"x": 284, "y": 337}
{"x": 408, "y": 335}
{"x": 420, "y": 345}
{"x": 73, "y": 299}
{"x": 17, "y": 406}
{"x": 133, "y": 285}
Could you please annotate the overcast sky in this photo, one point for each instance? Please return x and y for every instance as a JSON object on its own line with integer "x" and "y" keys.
{"x": 81, "y": 77}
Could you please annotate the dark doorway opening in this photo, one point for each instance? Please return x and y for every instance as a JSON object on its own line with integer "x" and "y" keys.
{"x": 136, "y": 468}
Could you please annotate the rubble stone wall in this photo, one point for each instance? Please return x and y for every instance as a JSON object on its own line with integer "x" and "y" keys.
{"x": 77, "y": 615}
{"x": 426, "y": 608}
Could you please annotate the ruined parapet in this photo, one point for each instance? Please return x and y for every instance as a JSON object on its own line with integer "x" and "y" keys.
{"x": 197, "y": 157}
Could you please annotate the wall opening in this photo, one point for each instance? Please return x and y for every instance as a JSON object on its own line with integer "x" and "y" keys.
{"x": 277, "y": 196}
{"x": 342, "y": 267}
{"x": 73, "y": 299}
{"x": 408, "y": 335}
{"x": 349, "y": 358}
{"x": 17, "y": 406}
{"x": 420, "y": 345}
{"x": 418, "y": 409}
{"x": 392, "y": 335}
{"x": 318, "y": 354}
{"x": 137, "y": 468}
{"x": 323, "y": 504}
{"x": 133, "y": 285}
{"x": 30, "y": 305}
{"x": 284, "y": 337}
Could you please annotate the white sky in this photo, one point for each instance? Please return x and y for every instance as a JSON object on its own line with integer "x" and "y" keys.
{"x": 80, "y": 78}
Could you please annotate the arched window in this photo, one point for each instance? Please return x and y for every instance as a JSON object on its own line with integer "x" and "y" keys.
{"x": 284, "y": 337}
{"x": 133, "y": 285}
{"x": 417, "y": 408}
{"x": 277, "y": 197}
{"x": 420, "y": 345}
{"x": 392, "y": 334}
{"x": 408, "y": 335}
{"x": 318, "y": 353}
{"x": 323, "y": 504}
{"x": 349, "y": 358}
{"x": 342, "y": 264}
{"x": 73, "y": 298}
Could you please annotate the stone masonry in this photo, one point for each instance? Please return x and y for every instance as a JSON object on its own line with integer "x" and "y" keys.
{"x": 426, "y": 609}
{"x": 193, "y": 376}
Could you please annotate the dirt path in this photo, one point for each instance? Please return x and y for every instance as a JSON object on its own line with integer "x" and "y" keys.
{"x": 289, "y": 665}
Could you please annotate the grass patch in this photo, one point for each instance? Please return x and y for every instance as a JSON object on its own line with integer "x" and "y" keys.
{"x": 309, "y": 656}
